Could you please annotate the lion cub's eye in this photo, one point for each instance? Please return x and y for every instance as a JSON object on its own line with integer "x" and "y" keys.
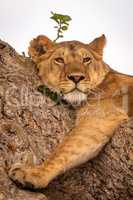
{"x": 59, "y": 60}
{"x": 86, "y": 60}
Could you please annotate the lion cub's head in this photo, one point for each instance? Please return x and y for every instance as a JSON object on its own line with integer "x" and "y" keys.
{"x": 71, "y": 68}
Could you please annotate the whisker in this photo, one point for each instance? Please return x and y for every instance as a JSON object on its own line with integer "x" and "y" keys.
{"x": 99, "y": 90}
{"x": 95, "y": 94}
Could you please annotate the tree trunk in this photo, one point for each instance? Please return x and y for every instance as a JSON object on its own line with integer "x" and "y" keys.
{"x": 31, "y": 125}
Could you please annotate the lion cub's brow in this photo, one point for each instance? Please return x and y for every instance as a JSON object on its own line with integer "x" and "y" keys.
{"x": 73, "y": 50}
{"x": 71, "y": 45}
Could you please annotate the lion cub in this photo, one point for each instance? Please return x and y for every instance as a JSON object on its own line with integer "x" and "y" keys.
{"x": 76, "y": 71}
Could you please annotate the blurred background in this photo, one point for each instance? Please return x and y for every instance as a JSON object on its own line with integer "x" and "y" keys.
{"x": 20, "y": 21}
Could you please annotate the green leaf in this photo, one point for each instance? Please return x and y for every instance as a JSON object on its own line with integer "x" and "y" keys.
{"x": 66, "y": 23}
{"x": 63, "y": 23}
{"x": 64, "y": 28}
{"x": 46, "y": 91}
{"x": 42, "y": 88}
{"x": 64, "y": 18}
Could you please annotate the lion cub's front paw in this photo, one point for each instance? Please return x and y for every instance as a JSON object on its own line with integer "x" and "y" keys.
{"x": 27, "y": 177}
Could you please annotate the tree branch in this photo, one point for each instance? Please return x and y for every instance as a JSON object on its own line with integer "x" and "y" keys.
{"x": 31, "y": 125}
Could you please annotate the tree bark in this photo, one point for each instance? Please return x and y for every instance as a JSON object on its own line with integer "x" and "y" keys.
{"x": 31, "y": 125}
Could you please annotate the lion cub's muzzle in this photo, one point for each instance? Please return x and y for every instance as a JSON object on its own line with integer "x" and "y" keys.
{"x": 75, "y": 95}
{"x": 76, "y": 78}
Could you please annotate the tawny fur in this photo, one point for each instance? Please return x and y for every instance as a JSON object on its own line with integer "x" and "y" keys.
{"x": 103, "y": 98}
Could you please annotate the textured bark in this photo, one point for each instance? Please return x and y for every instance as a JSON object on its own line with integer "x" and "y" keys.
{"x": 31, "y": 125}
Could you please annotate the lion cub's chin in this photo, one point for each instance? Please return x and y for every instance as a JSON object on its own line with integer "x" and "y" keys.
{"x": 75, "y": 98}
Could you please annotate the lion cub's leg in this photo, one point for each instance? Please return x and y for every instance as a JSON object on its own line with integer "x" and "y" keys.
{"x": 83, "y": 143}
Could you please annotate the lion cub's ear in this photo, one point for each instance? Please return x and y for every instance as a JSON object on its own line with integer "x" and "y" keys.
{"x": 98, "y": 44}
{"x": 38, "y": 47}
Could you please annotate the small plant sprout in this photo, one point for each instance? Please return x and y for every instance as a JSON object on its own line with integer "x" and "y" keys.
{"x": 62, "y": 24}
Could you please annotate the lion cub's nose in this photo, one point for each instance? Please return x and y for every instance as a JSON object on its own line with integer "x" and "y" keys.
{"x": 76, "y": 78}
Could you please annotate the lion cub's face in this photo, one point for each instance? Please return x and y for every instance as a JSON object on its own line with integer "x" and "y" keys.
{"x": 73, "y": 69}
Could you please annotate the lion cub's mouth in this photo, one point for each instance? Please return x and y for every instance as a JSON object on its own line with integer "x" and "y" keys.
{"x": 75, "y": 97}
